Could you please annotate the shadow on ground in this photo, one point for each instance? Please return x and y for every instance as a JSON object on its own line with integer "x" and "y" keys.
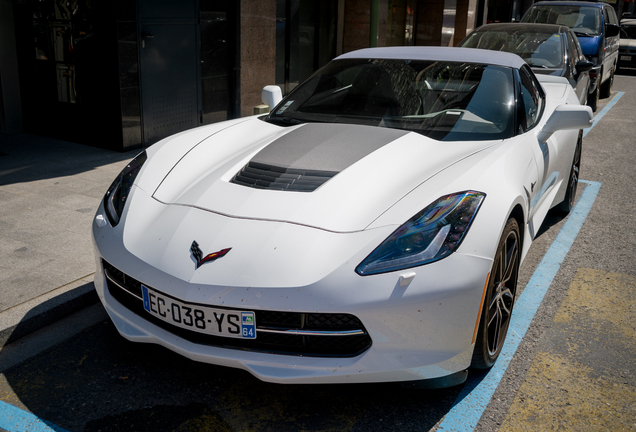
{"x": 27, "y": 157}
{"x": 97, "y": 381}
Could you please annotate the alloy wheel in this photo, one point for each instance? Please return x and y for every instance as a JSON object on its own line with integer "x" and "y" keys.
{"x": 503, "y": 294}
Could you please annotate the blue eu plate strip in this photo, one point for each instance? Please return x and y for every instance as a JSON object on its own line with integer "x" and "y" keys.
{"x": 478, "y": 390}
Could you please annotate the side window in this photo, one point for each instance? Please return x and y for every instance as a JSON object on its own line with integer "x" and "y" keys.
{"x": 531, "y": 98}
{"x": 614, "y": 17}
{"x": 611, "y": 15}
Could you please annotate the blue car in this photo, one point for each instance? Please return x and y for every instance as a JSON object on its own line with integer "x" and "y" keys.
{"x": 596, "y": 26}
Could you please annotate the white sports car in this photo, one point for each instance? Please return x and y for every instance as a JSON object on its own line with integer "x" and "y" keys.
{"x": 370, "y": 228}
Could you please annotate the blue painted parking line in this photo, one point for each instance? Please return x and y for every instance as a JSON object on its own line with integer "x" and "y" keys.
{"x": 13, "y": 419}
{"x": 478, "y": 390}
{"x": 599, "y": 116}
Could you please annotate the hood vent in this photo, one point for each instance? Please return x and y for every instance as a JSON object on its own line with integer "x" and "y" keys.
{"x": 262, "y": 176}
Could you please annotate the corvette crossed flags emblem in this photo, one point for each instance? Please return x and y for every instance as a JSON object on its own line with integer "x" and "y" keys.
{"x": 200, "y": 259}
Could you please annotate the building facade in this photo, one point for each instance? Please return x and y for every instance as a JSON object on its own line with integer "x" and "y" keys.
{"x": 127, "y": 73}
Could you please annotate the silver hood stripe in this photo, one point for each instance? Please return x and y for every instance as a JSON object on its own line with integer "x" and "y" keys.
{"x": 325, "y": 146}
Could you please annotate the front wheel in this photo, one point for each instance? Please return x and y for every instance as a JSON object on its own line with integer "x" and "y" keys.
{"x": 592, "y": 98}
{"x": 606, "y": 87}
{"x": 570, "y": 194}
{"x": 499, "y": 298}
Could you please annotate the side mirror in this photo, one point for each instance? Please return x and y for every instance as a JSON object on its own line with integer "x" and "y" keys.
{"x": 584, "y": 66}
{"x": 611, "y": 30}
{"x": 566, "y": 117}
{"x": 271, "y": 96}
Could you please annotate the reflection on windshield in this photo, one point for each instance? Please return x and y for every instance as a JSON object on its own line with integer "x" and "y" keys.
{"x": 585, "y": 21}
{"x": 442, "y": 100}
{"x": 541, "y": 50}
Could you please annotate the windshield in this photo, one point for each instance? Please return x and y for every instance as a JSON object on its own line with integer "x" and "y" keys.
{"x": 584, "y": 20}
{"x": 540, "y": 50}
{"x": 628, "y": 31}
{"x": 443, "y": 100}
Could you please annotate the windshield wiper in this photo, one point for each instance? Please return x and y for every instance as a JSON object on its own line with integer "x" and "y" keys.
{"x": 579, "y": 33}
{"x": 284, "y": 120}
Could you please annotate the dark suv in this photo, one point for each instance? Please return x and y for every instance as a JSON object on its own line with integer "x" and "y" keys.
{"x": 596, "y": 27}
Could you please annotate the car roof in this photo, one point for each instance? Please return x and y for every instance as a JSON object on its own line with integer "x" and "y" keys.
{"x": 524, "y": 27}
{"x": 571, "y": 3}
{"x": 464, "y": 55}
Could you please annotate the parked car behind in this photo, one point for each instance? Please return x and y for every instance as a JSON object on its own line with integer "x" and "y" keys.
{"x": 549, "y": 49}
{"x": 596, "y": 26}
{"x": 627, "y": 50}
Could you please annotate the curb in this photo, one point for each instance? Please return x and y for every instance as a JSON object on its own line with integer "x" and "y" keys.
{"x": 33, "y": 315}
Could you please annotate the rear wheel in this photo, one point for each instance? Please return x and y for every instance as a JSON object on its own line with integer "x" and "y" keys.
{"x": 606, "y": 87}
{"x": 499, "y": 299}
{"x": 570, "y": 195}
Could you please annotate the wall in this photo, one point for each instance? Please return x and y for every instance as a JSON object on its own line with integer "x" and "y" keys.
{"x": 128, "y": 74}
{"x": 10, "y": 103}
{"x": 430, "y": 15}
{"x": 258, "y": 51}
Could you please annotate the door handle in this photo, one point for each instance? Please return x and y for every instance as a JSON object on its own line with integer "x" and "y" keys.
{"x": 145, "y": 35}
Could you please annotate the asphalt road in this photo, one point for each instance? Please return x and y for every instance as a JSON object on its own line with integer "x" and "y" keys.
{"x": 572, "y": 371}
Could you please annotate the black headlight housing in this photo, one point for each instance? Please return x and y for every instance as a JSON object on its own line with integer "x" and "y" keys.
{"x": 117, "y": 194}
{"x": 429, "y": 236}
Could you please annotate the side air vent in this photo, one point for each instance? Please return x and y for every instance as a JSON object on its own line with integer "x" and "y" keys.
{"x": 263, "y": 176}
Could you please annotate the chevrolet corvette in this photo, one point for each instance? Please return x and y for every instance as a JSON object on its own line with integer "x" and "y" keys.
{"x": 370, "y": 228}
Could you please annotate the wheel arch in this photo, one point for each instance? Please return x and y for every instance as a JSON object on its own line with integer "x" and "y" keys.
{"x": 518, "y": 214}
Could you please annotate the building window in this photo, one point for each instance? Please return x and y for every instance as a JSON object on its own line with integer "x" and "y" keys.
{"x": 305, "y": 39}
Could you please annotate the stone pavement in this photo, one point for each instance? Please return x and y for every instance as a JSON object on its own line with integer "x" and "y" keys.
{"x": 49, "y": 192}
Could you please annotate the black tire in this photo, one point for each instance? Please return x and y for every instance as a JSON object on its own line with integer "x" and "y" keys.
{"x": 606, "y": 87}
{"x": 570, "y": 195}
{"x": 592, "y": 98}
{"x": 499, "y": 299}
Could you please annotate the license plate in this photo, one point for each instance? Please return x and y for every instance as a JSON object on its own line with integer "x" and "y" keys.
{"x": 202, "y": 319}
{"x": 626, "y": 58}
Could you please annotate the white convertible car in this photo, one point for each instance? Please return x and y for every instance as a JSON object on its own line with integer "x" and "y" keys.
{"x": 370, "y": 228}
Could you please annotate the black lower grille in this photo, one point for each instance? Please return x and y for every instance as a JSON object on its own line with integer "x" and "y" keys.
{"x": 272, "y": 327}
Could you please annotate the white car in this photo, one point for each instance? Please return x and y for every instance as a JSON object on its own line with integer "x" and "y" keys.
{"x": 370, "y": 228}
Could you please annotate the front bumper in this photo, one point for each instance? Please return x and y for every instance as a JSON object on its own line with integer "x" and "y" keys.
{"x": 627, "y": 58}
{"x": 423, "y": 330}
{"x": 595, "y": 74}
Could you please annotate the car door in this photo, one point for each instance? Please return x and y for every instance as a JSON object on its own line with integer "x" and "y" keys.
{"x": 611, "y": 43}
{"x": 531, "y": 105}
{"x": 580, "y": 80}
{"x": 546, "y": 154}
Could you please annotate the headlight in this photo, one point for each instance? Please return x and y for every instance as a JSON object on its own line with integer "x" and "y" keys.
{"x": 432, "y": 234}
{"x": 117, "y": 193}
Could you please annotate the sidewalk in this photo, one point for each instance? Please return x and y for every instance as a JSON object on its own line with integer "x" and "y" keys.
{"x": 49, "y": 192}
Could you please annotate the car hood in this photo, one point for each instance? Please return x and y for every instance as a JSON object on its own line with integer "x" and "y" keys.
{"x": 362, "y": 172}
{"x": 589, "y": 44}
{"x": 628, "y": 43}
